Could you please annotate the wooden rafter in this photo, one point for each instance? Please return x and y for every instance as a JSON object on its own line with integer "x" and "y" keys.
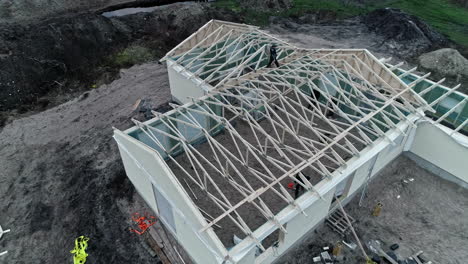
{"x": 286, "y": 111}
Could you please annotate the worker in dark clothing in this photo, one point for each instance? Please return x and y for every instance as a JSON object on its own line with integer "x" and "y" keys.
{"x": 330, "y": 113}
{"x": 314, "y": 97}
{"x": 299, "y": 187}
{"x": 273, "y": 56}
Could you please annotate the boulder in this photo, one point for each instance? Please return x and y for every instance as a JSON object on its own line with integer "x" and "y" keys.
{"x": 444, "y": 62}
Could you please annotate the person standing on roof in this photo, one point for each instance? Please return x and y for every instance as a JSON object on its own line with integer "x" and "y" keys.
{"x": 298, "y": 186}
{"x": 314, "y": 98}
{"x": 273, "y": 56}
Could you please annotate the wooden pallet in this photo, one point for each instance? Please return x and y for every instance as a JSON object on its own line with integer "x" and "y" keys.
{"x": 338, "y": 222}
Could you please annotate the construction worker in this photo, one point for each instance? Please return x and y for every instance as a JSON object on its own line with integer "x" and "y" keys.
{"x": 273, "y": 56}
{"x": 330, "y": 113}
{"x": 314, "y": 97}
{"x": 299, "y": 187}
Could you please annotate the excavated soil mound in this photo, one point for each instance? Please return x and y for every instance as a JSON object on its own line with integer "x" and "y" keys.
{"x": 403, "y": 32}
{"x": 37, "y": 59}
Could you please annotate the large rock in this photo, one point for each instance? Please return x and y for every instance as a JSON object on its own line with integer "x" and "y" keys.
{"x": 445, "y": 62}
{"x": 405, "y": 34}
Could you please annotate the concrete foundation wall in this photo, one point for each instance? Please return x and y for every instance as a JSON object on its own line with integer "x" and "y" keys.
{"x": 437, "y": 147}
{"x": 158, "y": 187}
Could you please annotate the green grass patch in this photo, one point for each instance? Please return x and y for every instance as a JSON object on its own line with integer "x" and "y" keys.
{"x": 342, "y": 9}
{"x": 132, "y": 55}
{"x": 232, "y": 5}
{"x": 300, "y": 7}
{"x": 446, "y": 17}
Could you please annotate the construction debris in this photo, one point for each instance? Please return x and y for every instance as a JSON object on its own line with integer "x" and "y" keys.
{"x": 376, "y": 248}
{"x": 350, "y": 245}
{"x": 392, "y": 257}
{"x": 143, "y": 222}
{"x": 394, "y": 247}
{"x": 324, "y": 257}
{"x": 419, "y": 258}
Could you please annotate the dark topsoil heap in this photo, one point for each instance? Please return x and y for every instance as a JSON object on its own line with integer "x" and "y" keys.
{"x": 35, "y": 59}
{"x": 404, "y": 33}
{"x": 71, "y": 52}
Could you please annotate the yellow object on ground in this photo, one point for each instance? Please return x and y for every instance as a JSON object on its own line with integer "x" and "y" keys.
{"x": 337, "y": 249}
{"x": 81, "y": 243}
{"x": 377, "y": 209}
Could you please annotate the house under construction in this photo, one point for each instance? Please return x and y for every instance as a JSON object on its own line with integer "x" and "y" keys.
{"x": 218, "y": 168}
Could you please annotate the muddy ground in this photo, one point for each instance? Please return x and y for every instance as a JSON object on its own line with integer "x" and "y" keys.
{"x": 427, "y": 213}
{"x": 62, "y": 176}
{"x": 71, "y": 54}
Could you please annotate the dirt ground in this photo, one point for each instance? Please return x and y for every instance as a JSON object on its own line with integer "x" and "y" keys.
{"x": 68, "y": 55}
{"x": 61, "y": 175}
{"x": 428, "y": 214}
{"x": 350, "y": 33}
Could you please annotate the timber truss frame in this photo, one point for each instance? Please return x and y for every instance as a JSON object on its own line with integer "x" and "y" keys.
{"x": 316, "y": 111}
{"x": 428, "y": 90}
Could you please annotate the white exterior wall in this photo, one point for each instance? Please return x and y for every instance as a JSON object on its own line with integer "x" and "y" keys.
{"x": 184, "y": 85}
{"x": 145, "y": 167}
{"x": 361, "y": 175}
{"x": 302, "y": 224}
{"x": 298, "y": 225}
{"x": 434, "y": 145}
